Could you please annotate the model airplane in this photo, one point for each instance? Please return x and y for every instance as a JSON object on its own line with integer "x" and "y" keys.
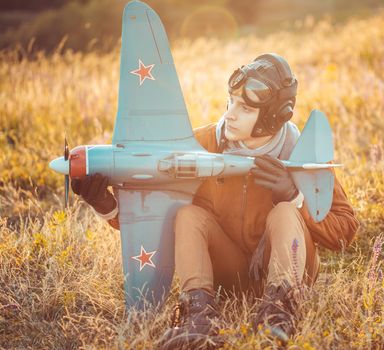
{"x": 155, "y": 164}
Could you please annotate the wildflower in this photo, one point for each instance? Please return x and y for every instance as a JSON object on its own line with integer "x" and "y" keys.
{"x": 377, "y": 246}
{"x": 63, "y": 257}
{"x": 380, "y": 275}
{"x": 308, "y": 346}
{"x": 244, "y": 329}
{"x": 89, "y": 235}
{"x": 68, "y": 298}
{"x": 39, "y": 240}
{"x": 330, "y": 73}
{"x": 295, "y": 245}
{"x": 59, "y": 216}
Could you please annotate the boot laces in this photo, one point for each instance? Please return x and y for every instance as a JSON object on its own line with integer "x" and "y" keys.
{"x": 177, "y": 315}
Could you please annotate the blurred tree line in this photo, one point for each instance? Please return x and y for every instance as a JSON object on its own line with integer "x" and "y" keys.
{"x": 96, "y": 24}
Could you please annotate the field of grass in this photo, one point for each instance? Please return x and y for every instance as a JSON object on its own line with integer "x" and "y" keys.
{"x": 61, "y": 284}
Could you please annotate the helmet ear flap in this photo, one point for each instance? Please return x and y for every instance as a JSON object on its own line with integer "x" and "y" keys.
{"x": 273, "y": 119}
{"x": 285, "y": 112}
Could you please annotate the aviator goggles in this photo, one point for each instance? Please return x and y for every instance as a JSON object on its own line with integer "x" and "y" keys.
{"x": 257, "y": 91}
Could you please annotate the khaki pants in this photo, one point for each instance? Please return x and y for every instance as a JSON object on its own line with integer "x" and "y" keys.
{"x": 207, "y": 258}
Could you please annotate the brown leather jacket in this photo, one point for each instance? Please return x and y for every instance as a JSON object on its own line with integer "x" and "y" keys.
{"x": 241, "y": 207}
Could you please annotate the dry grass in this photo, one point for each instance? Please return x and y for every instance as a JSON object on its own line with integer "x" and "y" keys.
{"x": 60, "y": 272}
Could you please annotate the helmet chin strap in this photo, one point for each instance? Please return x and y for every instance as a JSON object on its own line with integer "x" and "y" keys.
{"x": 261, "y": 128}
{"x": 223, "y": 142}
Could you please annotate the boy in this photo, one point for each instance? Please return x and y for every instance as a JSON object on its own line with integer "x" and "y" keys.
{"x": 245, "y": 232}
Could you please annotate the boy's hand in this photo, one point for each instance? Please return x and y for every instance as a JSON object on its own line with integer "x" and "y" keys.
{"x": 93, "y": 189}
{"x": 272, "y": 174}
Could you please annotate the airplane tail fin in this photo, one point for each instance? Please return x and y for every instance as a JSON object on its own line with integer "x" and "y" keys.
{"x": 315, "y": 145}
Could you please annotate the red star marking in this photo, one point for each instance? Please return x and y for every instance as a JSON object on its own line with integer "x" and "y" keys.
{"x": 144, "y": 72}
{"x": 144, "y": 258}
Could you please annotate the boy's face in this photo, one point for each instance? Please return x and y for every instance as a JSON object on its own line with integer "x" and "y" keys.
{"x": 239, "y": 119}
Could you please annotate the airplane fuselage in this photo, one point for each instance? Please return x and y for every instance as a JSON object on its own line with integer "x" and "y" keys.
{"x": 152, "y": 164}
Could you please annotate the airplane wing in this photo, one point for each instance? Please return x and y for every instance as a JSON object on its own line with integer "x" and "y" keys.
{"x": 147, "y": 240}
{"x": 151, "y": 105}
{"x": 315, "y": 145}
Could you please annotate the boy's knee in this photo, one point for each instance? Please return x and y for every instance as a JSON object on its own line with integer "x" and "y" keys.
{"x": 283, "y": 214}
{"x": 282, "y": 210}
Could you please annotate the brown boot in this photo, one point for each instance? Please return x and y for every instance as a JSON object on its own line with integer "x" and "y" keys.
{"x": 277, "y": 312}
{"x": 192, "y": 322}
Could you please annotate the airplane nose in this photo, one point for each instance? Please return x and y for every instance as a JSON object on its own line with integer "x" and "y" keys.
{"x": 60, "y": 165}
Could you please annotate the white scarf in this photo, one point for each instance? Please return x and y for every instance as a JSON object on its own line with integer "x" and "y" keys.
{"x": 279, "y": 146}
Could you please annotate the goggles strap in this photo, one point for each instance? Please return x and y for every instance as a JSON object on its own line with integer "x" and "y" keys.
{"x": 288, "y": 92}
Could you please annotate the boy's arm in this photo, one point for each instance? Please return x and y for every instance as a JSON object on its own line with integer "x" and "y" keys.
{"x": 339, "y": 227}
{"x": 94, "y": 190}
